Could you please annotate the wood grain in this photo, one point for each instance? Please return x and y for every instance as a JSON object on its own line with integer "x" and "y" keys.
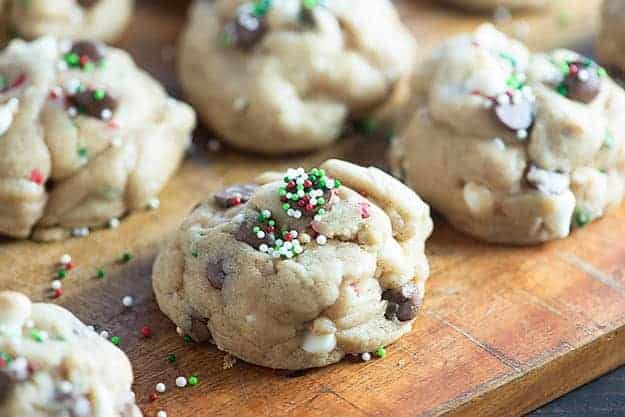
{"x": 503, "y": 329}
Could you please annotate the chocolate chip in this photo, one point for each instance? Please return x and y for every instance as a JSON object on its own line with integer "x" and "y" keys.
{"x": 583, "y": 89}
{"x": 246, "y": 233}
{"x": 403, "y": 303}
{"x": 516, "y": 116}
{"x": 94, "y": 103}
{"x": 93, "y": 50}
{"x": 6, "y": 386}
{"x": 88, "y": 3}
{"x": 235, "y": 195}
{"x": 248, "y": 30}
{"x": 216, "y": 275}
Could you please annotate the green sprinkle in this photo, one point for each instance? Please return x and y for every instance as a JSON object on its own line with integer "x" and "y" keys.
{"x": 563, "y": 90}
{"x": 337, "y": 183}
{"x": 282, "y": 192}
{"x": 3, "y": 82}
{"x": 36, "y": 335}
{"x": 602, "y": 72}
{"x": 171, "y": 358}
{"x": 126, "y": 257}
{"x": 99, "y": 94}
{"x": 61, "y": 273}
{"x": 380, "y": 352}
{"x": 286, "y": 206}
{"x": 115, "y": 340}
{"x": 581, "y": 217}
{"x": 83, "y": 153}
{"x": 100, "y": 273}
{"x": 188, "y": 339}
{"x": 72, "y": 59}
{"x": 369, "y": 126}
{"x": 5, "y": 357}
{"x": 310, "y": 4}
{"x": 514, "y": 82}
{"x": 88, "y": 67}
{"x": 192, "y": 381}
{"x": 195, "y": 254}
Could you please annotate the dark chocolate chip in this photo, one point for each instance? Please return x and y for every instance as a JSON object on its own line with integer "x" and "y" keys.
{"x": 93, "y": 103}
{"x": 584, "y": 91}
{"x": 6, "y": 386}
{"x": 248, "y": 30}
{"x": 235, "y": 195}
{"x": 246, "y": 233}
{"x": 516, "y": 116}
{"x": 88, "y": 3}
{"x": 93, "y": 50}
{"x": 216, "y": 275}
{"x": 403, "y": 303}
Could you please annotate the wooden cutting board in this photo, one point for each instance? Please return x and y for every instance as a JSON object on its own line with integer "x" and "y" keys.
{"x": 503, "y": 329}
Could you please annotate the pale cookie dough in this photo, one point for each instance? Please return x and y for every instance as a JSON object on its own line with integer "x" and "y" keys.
{"x": 296, "y": 279}
{"x": 493, "y": 4}
{"x": 513, "y": 147}
{"x": 76, "y": 19}
{"x": 611, "y": 41}
{"x": 280, "y": 77}
{"x": 52, "y": 365}
{"x": 85, "y": 137}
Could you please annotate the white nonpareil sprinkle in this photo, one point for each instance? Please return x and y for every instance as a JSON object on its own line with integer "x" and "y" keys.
{"x": 181, "y": 382}
{"x": 321, "y": 240}
{"x": 365, "y": 356}
{"x": 160, "y": 387}
{"x": 128, "y": 301}
{"x": 114, "y": 223}
{"x": 583, "y": 75}
{"x": 521, "y": 134}
{"x": 154, "y": 203}
{"x": 65, "y": 259}
{"x": 106, "y": 114}
{"x": 161, "y": 413}
{"x": 104, "y": 334}
{"x": 56, "y": 284}
{"x": 80, "y": 232}
{"x": 499, "y": 144}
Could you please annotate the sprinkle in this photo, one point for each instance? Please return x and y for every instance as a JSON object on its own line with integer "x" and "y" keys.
{"x": 56, "y": 284}
{"x": 161, "y": 413}
{"x": 100, "y": 273}
{"x": 115, "y": 340}
{"x": 104, "y": 334}
{"x": 581, "y": 217}
{"x": 61, "y": 273}
{"x": 521, "y": 134}
{"x": 188, "y": 339}
{"x": 35, "y": 176}
{"x": 113, "y": 223}
{"x": 57, "y": 293}
{"x": 80, "y": 231}
{"x": 128, "y": 301}
{"x": 154, "y": 203}
{"x": 193, "y": 381}
{"x": 380, "y": 352}
{"x": 38, "y": 335}
{"x": 321, "y": 240}
{"x": 366, "y": 356}
{"x": 126, "y": 257}
{"x": 171, "y": 358}
{"x": 181, "y": 382}
{"x": 160, "y": 387}
{"x": 65, "y": 259}
{"x": 179, "y": 331}
{"x": 153, "y": 396}
{"x": 146, "y": 331}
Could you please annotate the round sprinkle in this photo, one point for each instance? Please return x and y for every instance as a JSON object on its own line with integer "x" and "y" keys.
{"x": 100, "y": 273}
{"x": 171, "y": 358}
{"x": 128, "y": 301}
{"x": 193, "y": 381}
{"x": 61, "y": 273}
{"x": 146, "y": 331}
{"x": 153, "y": 397}
{"x": 58, "y": 293}
{"x": 65, "y": 259}
{"x": 321, "y": 240}
{"x": 126, "y": 257}
{"x": 113, "y": 223}
{"x": 115, "y": 340}
{"x": 56, "y": 284}
{"x": 365, "y": 356}
{"x": 104, "y": 334}
{"x": 380, "y": 352}
{"x": 161, "y": 413}
{"x": 181, "y": 382}
{"x": 154, "y": 203}
{"x": 160, "y": 387}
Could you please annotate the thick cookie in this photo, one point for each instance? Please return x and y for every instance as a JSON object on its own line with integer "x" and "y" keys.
{"x": 511, "y": 147}
{"x": 76, "y": 19}
{"x": 52, "y": 365}
{"x": 312, "y": 267}
{"x": 285, "y": 76}
{"x": 610, "y": 44}
{"x": 85, "y": 137}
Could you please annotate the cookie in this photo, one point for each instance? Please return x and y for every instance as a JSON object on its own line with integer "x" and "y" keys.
{"x": 314, "y": 266}
{"x": 77, "y": 19}
{"x": 52, "y": 365}
{"x": 85, "y": 137}
{"x": 486, "y": 5}
{"x": 610, "y": 45}
{"x": 287, "y": 76}
{"x": 513, "y": 147}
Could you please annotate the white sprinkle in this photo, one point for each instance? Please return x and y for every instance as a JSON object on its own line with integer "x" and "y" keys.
{"x": 583, "y": 75}
{"x": 106, "y": 114}
{"x": 499, "y": 144}
{"x": 65, "y": 259}
{"x": 104, "y": 334}
{"x": 160, "y": 387}
{"x": 128, "y": 301}
{"x": 260, "y": 234}
{"x": 365, "y": 356}
{"x": 317, "y": 217}
{"x": 297, "y": 214}
{"x": 181, "y": 382}
{"x": 521, "y": 134}
{"x": 279, "y": 242}
{"x": 161, "y": 413}
{"x": 266, "y": 213}
{"x": 179, "y": 331}
{"x": 154, "y": 203}
{"x": 56, "y": 284}
{"x": 321, "y": 240}
{"x": 275, "y": 254}
{"x": 113, "y": 223}
{"x": 263, "y": 248}
{"x": 65, "y": 387}
{"x": 72, "y": 111}
{"x": 80, "y": 231}
{"x": 73, "y": 86}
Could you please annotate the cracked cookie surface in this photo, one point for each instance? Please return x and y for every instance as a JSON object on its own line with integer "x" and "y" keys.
{"x": 52, "y": 365}
{"x": 85, "y": 137}
{"x": 521, "y": 146}
{"x": 281, "y": 77}
{"x": 313, "y": 266}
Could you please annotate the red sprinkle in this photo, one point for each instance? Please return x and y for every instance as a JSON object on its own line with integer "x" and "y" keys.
{"x": 3, "y": 363}
{"x": 146, "y": 331}
{"x": 153, "y": 397}
{"x": 68, "y": 266}
{"x": 21, "y": 79}
{"x": 35, "y": 176}
{"x": 235, "y": 201}
{"x": 84, "y": 60}
{"x": 58, "y": 293}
